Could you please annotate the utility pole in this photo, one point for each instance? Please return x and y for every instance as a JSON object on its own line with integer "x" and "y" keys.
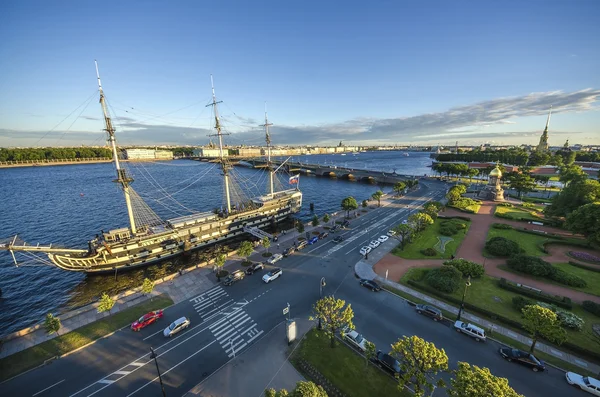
{"x": 154, "y": 356}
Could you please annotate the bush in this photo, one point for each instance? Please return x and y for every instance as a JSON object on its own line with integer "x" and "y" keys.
{"x": 504, "y": 226}
{"x": 429, "y": 252}
{"x": 451, "y": 227}
{"x": 520, "y": 302}
{"x": 467, "y": 268}
{"x": 565, "y": 278}
{"x": 446, "y": 279}
{"x": 528, "y": 205}
{"x": 591, "y": 307}
{"x": 500, "y": 246}
{"x": 464, "y": 202}
{"x": 530, "y": 265}
{"x": 505, "y": 205}
{"x": 567, "y": 319}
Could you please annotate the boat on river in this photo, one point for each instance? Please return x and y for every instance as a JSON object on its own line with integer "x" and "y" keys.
{"x": 149, "y": 239}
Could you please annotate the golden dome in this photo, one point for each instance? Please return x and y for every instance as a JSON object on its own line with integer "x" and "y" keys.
{"x": 496, "y": 172}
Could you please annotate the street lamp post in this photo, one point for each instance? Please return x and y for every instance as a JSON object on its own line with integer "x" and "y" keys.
{"x": 462, "y": 302}
{"x": 321, "y": 285}
{"x": 154, "y": 356}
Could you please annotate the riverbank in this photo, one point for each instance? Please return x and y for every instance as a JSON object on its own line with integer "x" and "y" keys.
{"x": 46, "y": 163}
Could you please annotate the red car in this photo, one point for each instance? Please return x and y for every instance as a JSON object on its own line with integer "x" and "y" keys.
{"x": 146, "y": 320}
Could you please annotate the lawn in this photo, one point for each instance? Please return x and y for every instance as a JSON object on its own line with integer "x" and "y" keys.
{"x": 485, "y": 293}
{"x": 516, "y": 214}
{"x": 536, "y": 200}
{"x": 531, "y": 243}
{"x": 428, "y": 239}
{"x": 345, "y": 368}
{"x": 34, "y": 356}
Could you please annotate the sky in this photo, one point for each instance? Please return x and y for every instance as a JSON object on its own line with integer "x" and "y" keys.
{"x": 365, "y": 73}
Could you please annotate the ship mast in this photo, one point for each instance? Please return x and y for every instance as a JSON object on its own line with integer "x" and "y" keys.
{"x": 224, "y": 166}
{"x": 122, "y": 177}
{"x": 268, "y": 139}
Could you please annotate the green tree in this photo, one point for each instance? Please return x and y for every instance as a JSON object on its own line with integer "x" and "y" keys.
{"x": 147, "y": 287}
{"x": 326, "y": 218}
{"x": 586, "y": 220}
{"x": 572, "y": 173}
{"x": 370, "y": 352}
{"x": 266, "y": 242}
{"x": 522, "y": 183}
{"x": 455, "y": 193}
{"x": 575, "y": 195}
{"x": 365, "y": 203}
{"x": 220, "y": 260}
{"x": 377, "y": 196}
{"x": 399, "y": 188}
{"x": 471, "y": 173}
{"x": 542, "y": 322}
{"x": 52, "y": 324}
{"x": 472, "y": 381}
{"x": 403, "y": 234}
{"x": 106, "y": 303}
{"x": 245, "y": 250}
{"x": 334, "y": 315}
{"x": 302, "y": 389}
{"x": 419, "y": 221}
{"x": 315, "y": 221}
{"x": 420, "y": 361}
{"x": 300, "y": 227}
{"x": 538, "y": 158}
{"x": 432, "y": 210}
{"x": 349, "y": 204}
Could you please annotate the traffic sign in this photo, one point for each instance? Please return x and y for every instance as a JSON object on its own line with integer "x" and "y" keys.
{"x": 286, "y": 310}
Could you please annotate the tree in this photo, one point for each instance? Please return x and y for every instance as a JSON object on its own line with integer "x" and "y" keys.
{"x": 52, "y": 324}
{"x": 334, "y": 315}
{"x": 575, "y": 195}
{"x": 300, "y": 227}
{"x": 471, "y": 173}
{"x": 472, "y": 381}
{"x": 538, "y": 158}
{"x": 420, "y": 361}
{"x": 106, "y": 303}
{"x": 431, "y": 209}
{"x": 245, "y": 250}
{"x": 585, "y": 220}
{"x": 542, "y": 322}
{"x": 326, "y": 218}
{"x": 266, "y": 242}
{"x": 420, "y": 221}
{"x": 572, "y": 173}
{"x": 455, "y": 193}
{"x": 147, "y": 287}
{"x": 302, "y": 389}
{"x": 403, "y": 233}
{"x": 219, "y": 263}
{"x": 522, "y": 183}
{"x": 365, "y": 203}
{"x": 399, "y": 188}
{"x": 370, "y": 352}
{"x": 315, "y": 220}
{"x": 377, "y": 196}
{"x": 349, "y": 204}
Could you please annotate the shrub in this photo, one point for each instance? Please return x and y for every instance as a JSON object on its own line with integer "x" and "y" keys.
{"x": 505, "y": 205}
{"x": 584, "y": 256}
{"x": 570, "y": 320}
{"x": 446, "y": 279}
{"x": 591, "y": 307}
{"x": 451, "y": 227}
{"x": 565, "y": 278}
{"x": 520, "y": 302}
{"x": 504, "y": 226}
{"x": 464, "y": 202}
{"x": 528, "y": 205}
{"x": 530, "y": 265}
{"x": 467, "y": 268}
{"x": 500, "y": 246}
{"x": 429, "y": 252}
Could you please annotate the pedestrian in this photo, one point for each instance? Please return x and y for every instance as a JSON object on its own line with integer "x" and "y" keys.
{"x": 277, "y": 245}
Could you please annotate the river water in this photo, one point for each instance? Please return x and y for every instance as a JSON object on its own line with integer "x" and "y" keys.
{"x": 68, "y": 205}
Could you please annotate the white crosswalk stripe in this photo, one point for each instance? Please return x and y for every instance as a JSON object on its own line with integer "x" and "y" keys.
{"x": 210, "y": 301}
{"x": 232, "y": 331}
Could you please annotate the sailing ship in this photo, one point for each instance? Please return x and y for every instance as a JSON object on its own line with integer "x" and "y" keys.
{"x": 148, "y": 239}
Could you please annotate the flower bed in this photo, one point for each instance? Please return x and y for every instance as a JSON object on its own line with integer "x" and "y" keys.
{"x": 584, "y": 256}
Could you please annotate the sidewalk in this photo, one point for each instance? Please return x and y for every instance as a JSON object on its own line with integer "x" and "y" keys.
{"x": 264, "y": 365}
{"x": 365, "y": 270}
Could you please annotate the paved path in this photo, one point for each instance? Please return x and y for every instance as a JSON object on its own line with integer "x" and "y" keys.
{"x": 472, "y": 249}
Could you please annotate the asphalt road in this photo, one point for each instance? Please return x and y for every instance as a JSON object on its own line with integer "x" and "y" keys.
{"x": 226, "y": 320}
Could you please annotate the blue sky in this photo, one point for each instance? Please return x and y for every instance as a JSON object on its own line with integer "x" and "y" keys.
{"x": 366, "y": 73}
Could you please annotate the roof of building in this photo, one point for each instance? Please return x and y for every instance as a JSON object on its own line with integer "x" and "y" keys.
{"x": 496, "y": 172}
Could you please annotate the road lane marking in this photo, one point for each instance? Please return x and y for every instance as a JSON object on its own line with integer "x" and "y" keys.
{"x": 49, "y": 387}
{"x": 107, "y": 381}
{"x": 150, "y": 336}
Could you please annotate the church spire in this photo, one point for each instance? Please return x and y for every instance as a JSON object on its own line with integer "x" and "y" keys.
{"x": 543, "y": 145}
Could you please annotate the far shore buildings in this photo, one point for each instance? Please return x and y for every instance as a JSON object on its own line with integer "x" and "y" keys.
{"x": 148, "y": 154}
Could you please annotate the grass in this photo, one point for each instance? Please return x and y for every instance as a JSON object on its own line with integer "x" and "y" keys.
{"x": 483, "y": 293}
{"x": 536, "y": 199}
{"x": 345, "y": 368}
{"x": 34, "y": 356}
{"x": 428, "y": 239}
{"x": 516, "y": 214}
{"x": 529, "y": 242}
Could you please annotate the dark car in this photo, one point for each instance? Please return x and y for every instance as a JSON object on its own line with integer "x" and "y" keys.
{"x": 233, "y": 277}
{"x": 387, "y": 362}
{"x": 372, "y": 285}
{"x": 289, "y": 251}
{"x": 338, "y": 239}
{"x": 323, "y": 235}
{"x": 334, "y": 229}
{"x": 254, "y": 267}
{"x": 346, "y": 224}
{"x": 524, "y": 358}
{"x": 313, "y": 240}
{"x": 301, "y": 245}
{"x": 430, "y": 311}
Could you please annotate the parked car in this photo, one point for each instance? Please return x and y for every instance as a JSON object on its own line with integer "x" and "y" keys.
{"x": 383, "y": 239}
{"x": 585, "y": 383}
{"x": 473, "y": 331}
{"x": 372, "y": 285}
{"x": 355, "y": 339}
{"x": 272, "y": 275}
{"x": 275, "y": 258}
{"x": 323, "y": 235}
{"x": 391, "y": 233}
{"x": 525, "y": 358}
{"x": 301, "y": 245}
{"x": 338, "y": 239}
{"x": 289, "y": 251}
{"x": 254, "y": 267}
{"x": 405, "y": 222}
{"x": 365, "y": 250}
{"x": 313, "y": 240}
{"x": 374, "y": 244}
{"x": 176, "y": 327}
{"x": 334, "y": 229}
{"x": 233, "y": 277}
{"x": 430, "y": 311}
{"x": 346, "y": 224}
{"x": 146, "y": 320}
{"x": 387, "y": 362}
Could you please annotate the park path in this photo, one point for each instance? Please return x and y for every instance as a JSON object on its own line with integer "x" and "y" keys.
{"x": 472, "y": 249}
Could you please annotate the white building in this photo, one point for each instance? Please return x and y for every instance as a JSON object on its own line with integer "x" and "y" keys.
{"x": 204, "y": 152}
{"x": 163, "y": 155}
{"x": 139, "y": 154}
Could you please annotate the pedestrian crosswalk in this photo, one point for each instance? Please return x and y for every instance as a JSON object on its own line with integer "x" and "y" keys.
{"x": 210, "y": 302}
{"x": 235, "y": 330}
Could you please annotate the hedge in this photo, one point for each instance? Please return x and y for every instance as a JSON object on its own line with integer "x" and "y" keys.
{"x": 563, "y": 301}
{"x": 500, "y": 246}
{"x": 504, "y": 226}
{"x": 582, "y": 266}
{"x": 463, "y": 218}
{"x": 541, "y": 234}
{"x": 445, "y": 278}
{"x": 591, "y": 307}
{"x": 429, "y": 252}
{"x": 538, "y": 267}
{"x": 467, "y": 268}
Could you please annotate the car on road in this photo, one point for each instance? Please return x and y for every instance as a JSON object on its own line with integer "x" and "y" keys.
{"x": 289, "y": 251}
{"x": 275, "y": 258}
{"x": 365, "y": 250}
{"x": 272, "y": 275}
{"x": 346, "y": 224}
{"x": 430, "y": 311}
{"x": 338, "y": 239}
{"x": 176, "y": 326}
{"x": 334, "y": 229}
{"x": 146, "y": 320}
{"x": 253, "y": 268}
{"x": 471, "y": 330}
{"x": 301, "y": 245}
{"x": 383, "y": 239}
{"x": 323, "y": 235}
{"x": 374, "y": 244}
{"x": 524, "y": 358}
{"x": 370, "y": 284}
{"x": 313, "y": 240}
{"x": 405, "y": 222}
{"x": 234, "y": 277}
{"x": 387, "y": 362}
{"x": 355, "y": 339}
{"x": 391, "y": 233}
{"x": 584, "y": 383}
